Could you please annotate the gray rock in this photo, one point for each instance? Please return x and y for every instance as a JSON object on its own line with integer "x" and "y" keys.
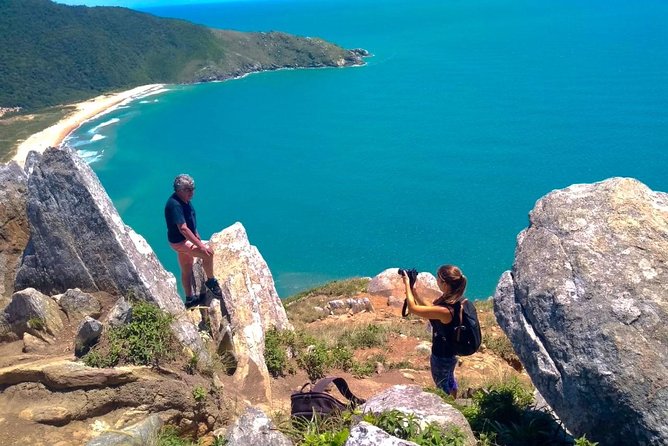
{"x": 426, "y": 407}
{"x": 120, "y": 313}
{"x": 366, "y": 434}
{"x": 77, "y": 304}
{"x": 14, "y": 230}
{"x": 33, "y": 312}
{"x": 395, "y": 302}
{"x": 252, "y": 304}
{"x": 254, "y": 428}
{"x": 78, "y": 240}
{"x": 389, "y": 283}
{"x": 87, "y": 336}
{"x": 144, "y": 433}
{"x": 585, "y": 309}
{"x": 350, "y": 305}
{"x": 32, "y": 344}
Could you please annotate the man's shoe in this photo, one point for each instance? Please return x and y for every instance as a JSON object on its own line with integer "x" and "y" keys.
{"x": 192, "y": 301}
{"x": 212, "y": 285}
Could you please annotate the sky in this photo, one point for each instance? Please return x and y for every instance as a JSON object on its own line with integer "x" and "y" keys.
{"x": 136, "y": 3}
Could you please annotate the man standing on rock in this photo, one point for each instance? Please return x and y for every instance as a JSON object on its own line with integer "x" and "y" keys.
{"x": 185, "y": 240}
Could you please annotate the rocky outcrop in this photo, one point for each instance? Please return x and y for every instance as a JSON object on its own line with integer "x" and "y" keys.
{"x": 33, "y": 312}
{"x": 14, "y": 231}
{"x": 390, "y": 284}
{"x": 144, "y": 433}
{"x": 78, "y": 240}
{"x": 62, "y": 374}
{"x": 252, "y": 304}
{"x": 77, "y": 305}
{"x": 426, "y": 407}
{"x": 351, "y": 305}
{"x": 585, "y": 307}
{"x": 255, "y": 428}
{"x": 88, "y": 334}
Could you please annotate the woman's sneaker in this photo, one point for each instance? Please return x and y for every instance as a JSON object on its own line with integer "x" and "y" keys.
{"x": 212, "y": 285}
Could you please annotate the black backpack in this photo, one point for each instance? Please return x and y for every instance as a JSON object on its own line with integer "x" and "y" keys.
{"x": 465, "y": 337}
{"x": 317, "y": 402}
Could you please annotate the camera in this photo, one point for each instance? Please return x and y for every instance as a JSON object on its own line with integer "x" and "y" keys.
{"x": 411, "y": 273}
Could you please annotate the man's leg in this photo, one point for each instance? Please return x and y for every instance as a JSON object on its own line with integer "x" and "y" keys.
{"x": 207, "y": 262}
{"x": 186, "y": 264}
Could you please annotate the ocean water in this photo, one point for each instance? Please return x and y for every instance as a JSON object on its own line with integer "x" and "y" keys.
{"x": 434, "y": 152}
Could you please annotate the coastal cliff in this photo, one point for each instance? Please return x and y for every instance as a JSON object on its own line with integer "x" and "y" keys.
{"x": 63, "y": 54}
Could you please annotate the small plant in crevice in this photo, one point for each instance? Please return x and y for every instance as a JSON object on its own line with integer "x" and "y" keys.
{"x": 36, "y": 323}
{"x": 191, "y": 365}
{"x": 199, "y": 394}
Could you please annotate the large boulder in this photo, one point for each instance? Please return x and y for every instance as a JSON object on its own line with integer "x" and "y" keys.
{"x": 390, "y": 284}
{"x": 33, "y": 312}
{"x": 252, "y": 304}
{"x": 585, "y": 307}
{"x": 425, "y": 406}
{"x": 77, "y": 305}
{"x": 14, "y": 230}
{"x": 78, "y": 240}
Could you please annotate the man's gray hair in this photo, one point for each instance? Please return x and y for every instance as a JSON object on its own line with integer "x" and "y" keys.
{"x": 183, "y": 181}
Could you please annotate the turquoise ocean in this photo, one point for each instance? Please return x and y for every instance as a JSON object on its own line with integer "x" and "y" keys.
{"x": 434, "y": 152}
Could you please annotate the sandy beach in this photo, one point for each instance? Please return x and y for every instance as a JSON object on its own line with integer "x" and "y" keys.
{"x": 54, "y": 135}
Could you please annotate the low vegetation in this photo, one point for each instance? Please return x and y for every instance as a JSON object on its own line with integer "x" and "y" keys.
{"x": 335, "y": 430}
{"x": 14, "y": 129}
{"x": 146, "y": 340}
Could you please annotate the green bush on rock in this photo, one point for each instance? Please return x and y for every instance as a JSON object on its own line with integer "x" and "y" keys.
{"x": 146, "y": 340}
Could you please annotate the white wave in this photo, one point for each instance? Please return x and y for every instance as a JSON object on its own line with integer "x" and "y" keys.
{"x": 104, "y": 124}
{"x": 97, "y": 137}
{"x": 148, "y": 102}
{"x": 90, "y": 156}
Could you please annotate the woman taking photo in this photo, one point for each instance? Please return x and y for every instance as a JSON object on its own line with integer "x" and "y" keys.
{"x": 441, "y": 314}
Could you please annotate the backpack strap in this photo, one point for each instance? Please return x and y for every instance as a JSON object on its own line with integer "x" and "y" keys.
{"x": 342, "y": 385}
{"x": 462, "y": 303}
{"x": 404, "y": 309}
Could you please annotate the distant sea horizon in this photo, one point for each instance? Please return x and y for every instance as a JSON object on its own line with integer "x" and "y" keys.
{"x": 432, "y": 153}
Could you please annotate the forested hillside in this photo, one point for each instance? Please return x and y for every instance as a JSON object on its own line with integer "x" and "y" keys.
{"x": 52, "y": 53}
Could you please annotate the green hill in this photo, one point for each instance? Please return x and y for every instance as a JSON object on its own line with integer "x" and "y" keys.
{"x": 52, "y": 54}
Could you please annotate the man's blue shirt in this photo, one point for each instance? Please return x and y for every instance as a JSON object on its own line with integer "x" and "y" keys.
{"x": 176, "y": 213}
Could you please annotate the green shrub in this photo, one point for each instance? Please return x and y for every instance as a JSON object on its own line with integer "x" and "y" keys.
{"x": 341, "y": 357}
{"x": 275, "y": 355}
{"x": 314, "y": 361}
{"x": 146, "y": 340}
{"x": 363, "y": 369}
{"x": 366, "y": 337}
{"x": 330, "y": 431}
{"x": 504, "y": 415}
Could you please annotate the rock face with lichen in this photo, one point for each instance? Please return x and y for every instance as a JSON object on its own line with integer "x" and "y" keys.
{"x": 14, "y": 230}
{"x": 585, "y": 306}
{"x": 78, "y": 240}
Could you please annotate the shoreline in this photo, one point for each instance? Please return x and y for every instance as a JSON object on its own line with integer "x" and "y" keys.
{"x": 85, "y": 111}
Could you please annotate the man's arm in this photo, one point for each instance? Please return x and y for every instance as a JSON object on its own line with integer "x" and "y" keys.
{"x": 194, "y": 239}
